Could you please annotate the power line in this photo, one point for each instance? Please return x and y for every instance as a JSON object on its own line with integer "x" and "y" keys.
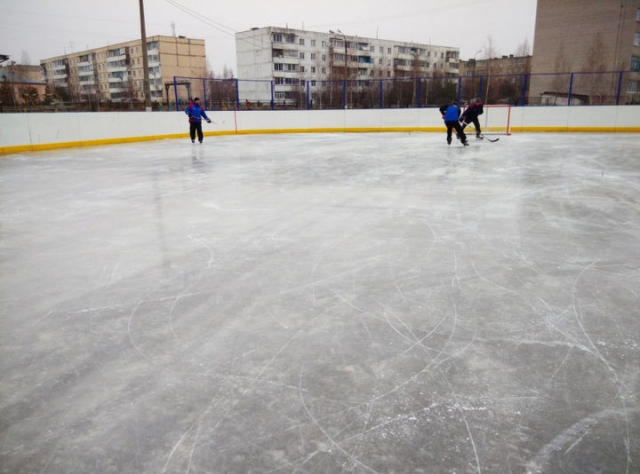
{"x": 208, "y": 21}
{"x": 198, "y": 16}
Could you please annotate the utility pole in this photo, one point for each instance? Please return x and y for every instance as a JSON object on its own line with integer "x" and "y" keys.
{"x": 145, "y": 61}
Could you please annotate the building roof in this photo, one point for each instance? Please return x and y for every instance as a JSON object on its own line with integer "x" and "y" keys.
{"x": 10, "y": 77}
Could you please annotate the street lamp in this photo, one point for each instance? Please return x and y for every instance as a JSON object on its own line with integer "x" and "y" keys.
{"x": 474, "y": 69}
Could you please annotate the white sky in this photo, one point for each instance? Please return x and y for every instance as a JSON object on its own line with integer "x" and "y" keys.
{"x": 48, "y": 28}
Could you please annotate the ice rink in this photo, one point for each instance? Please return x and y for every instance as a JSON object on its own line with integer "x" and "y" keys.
{"x": 322, "y": 303}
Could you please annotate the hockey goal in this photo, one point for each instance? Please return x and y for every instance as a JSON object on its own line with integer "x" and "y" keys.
{"x": 495, "y": 120}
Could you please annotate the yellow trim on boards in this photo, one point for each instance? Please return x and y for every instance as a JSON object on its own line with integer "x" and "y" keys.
{"x": 114, "y": 141}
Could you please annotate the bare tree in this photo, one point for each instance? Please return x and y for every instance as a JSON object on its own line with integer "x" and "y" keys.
{"x": 25, "y": 60}
{"x": 594, "y": 85}
{"x": 523, "y": 53}
{"x": 560, "y": 83}
{"x": 490, "y": 52}
{"x": 524, "y": 49}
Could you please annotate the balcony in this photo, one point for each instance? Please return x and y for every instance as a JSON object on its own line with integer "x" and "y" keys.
{"x": 118, "y": 69}
{"x": 111, "y": 59}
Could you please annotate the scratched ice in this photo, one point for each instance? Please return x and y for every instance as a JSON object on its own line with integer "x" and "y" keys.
{"x": 322, "y": 303}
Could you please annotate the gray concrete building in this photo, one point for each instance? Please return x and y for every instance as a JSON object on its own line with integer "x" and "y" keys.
{"x": 296, "y": 59}
{"x": 594, "y": 40}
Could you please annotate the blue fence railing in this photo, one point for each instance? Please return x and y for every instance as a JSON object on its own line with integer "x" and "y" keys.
{"x": 570, "y": 88}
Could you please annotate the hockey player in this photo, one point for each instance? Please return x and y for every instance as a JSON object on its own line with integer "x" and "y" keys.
{"x": 451, "y": 115}
{"x": 196, "y": 113}
{"x": 470, "y": 115}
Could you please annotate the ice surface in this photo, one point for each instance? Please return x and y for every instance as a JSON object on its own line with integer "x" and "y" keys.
{"x": 322, "y": 303}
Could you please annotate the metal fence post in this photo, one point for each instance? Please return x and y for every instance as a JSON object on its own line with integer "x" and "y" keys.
{"x": 525, "y": 81}
{"x": 570, "y": 89}
{"x": 344, "y": 93}
{"x": 175, "y": 92}
{"x": 272, "y": 95}
{"x": 204, "y": 93}
{"x": 619, "y": 88}
{"x": 237, "y": 95}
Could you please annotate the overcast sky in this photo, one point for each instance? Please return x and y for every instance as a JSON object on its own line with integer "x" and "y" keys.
{"x": 47, "y": 28}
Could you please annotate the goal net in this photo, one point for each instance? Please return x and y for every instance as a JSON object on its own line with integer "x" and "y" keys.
{"x": 495, "y": 120}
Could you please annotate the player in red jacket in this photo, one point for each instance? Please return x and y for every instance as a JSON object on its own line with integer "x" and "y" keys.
{"x": 470, "y": 115}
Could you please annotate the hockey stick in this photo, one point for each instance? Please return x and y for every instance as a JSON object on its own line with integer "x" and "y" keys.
{"x": 487, "y": 138}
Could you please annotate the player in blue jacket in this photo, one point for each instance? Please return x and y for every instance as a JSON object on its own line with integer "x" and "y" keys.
{"x": 196, "y": 114}
{"x": 451, "y": 115}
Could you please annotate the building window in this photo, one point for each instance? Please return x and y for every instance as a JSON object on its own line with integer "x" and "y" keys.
{"x": 278, "y": 67}
{"x": 633, "y": 87}
{"x": 313, "y": 56}
{"x": 388, "y": 50}
{"x": 324, "y": 70}
{"x": 635, "y": 63}
{"x": 324, "y": 57}
{"x": 301, "y": 68}
{"x": 277, "y": 37}
{"x": 638, "y": 15}
{"x": 313, "y": 70}
{"x": 313, "y": 43}
{"x": 636, "y": 39}
{"x": 301, "y": 55}
{"x": 301, "y": 41}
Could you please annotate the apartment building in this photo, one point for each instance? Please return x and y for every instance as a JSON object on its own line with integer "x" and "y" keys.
{"x": 292, "y": 59}
{"x": 583, "y": 37}
{"x": 496, "y": 80}
{"x": 115, "y": 72}
{"x": 503, "y": 65}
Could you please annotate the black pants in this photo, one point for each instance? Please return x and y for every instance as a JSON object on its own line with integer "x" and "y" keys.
{"x": 476, "y": 124}
{"x": 193, "y": 128}
{"x": 454, "y": 124}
